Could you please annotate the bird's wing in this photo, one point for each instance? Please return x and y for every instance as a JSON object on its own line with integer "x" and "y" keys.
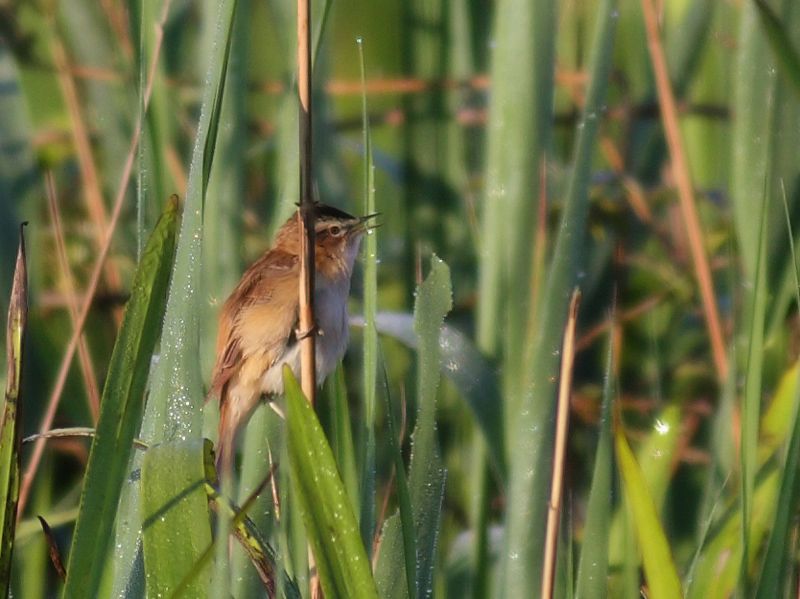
{"x": 258, "y": 317}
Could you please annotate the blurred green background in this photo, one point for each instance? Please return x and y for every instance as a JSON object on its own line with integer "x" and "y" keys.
{"x": 520, "y": 141}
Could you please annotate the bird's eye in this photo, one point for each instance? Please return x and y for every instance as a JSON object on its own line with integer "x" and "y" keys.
{"x": 335, "y": 230}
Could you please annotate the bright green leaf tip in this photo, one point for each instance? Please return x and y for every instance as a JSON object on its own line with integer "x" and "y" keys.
{"x": 659, "y": 567}
{"x": 327, "y": 513}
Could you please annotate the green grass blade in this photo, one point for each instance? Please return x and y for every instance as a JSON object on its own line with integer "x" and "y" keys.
{"x": 292, "y": 530}
{"x": 153, "y": 178}
{"x": 774, "y": 573}
{"x": 176, "y": 528}
{"x": 773, "y": 581}
{"x": 342, "y": 434}
{"x": 174, "y": 409}
{"x": 341, "y": 560}
{"x": 655, "y": 457}
{"x": 751, "y": 400}
{"x": 753, "y": 99}
{"x": 426, "y": 473}
{"x": 10, "y": 426}
{"x": 593, "y": 564}
{"x": 718, "y": 567}
{"x": 405, "y": 510}
{"x": 659, "y": 568}
{"x": 530, "y": 443}
{"x": 121, "y": 408}
{"x": 222, "y": 225}
{"x": 471, "y": 373}
{"x": 370, "y": 366}
{"x": 518, "y": 135}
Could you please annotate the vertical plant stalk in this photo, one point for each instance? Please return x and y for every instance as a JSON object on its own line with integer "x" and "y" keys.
{"x": 370, "y": 366}
{"x": 559, "y": 457}
{"x": 84, "y": 357}
{"x": 306, "y": 212}
{"x": 688, "y": 206}
{"x": 305, "y": 217}
{"x": 91, "y": 289}
{"x": 532, "y": 435}
{"x": 9, "y": 425}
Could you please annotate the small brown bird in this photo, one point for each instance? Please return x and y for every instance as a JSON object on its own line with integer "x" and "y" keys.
{"x": 258, "y": 325}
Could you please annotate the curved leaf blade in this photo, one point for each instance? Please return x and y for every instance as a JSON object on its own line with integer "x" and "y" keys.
{"x": 659, "y": 568}
{"x": 121, "y": 408}
{"x": 9, "y": 426}
{"x": 332, "y": 528}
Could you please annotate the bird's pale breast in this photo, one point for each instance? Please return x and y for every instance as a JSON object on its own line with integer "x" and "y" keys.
{"x": 330, "y": 306}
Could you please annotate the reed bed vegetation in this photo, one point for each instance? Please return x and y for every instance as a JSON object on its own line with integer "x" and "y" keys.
{"x": 573, "y": 366}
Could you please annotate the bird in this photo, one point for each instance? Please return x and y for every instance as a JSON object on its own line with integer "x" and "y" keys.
{"x": 258, "y": 324}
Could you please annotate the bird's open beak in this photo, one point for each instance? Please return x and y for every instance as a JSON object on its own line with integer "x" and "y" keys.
{"x": 362, "y": 223}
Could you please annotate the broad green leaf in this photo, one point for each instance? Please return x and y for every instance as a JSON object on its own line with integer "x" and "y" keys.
{"x": 176, "y": 529}
{"x": 341, "y": 560}
{"x": 9, "y": 425}
{"x": 426, "y": 473}
{"x": 529, "y": 417}
{"x": 659, "y": 568}
{"x": 121, "y": 409}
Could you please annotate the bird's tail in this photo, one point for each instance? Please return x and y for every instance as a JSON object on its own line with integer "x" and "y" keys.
{"x": 226, "y": 437}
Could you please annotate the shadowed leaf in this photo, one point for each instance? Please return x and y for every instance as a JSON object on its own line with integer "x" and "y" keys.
{"x": 9, "y": 426}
